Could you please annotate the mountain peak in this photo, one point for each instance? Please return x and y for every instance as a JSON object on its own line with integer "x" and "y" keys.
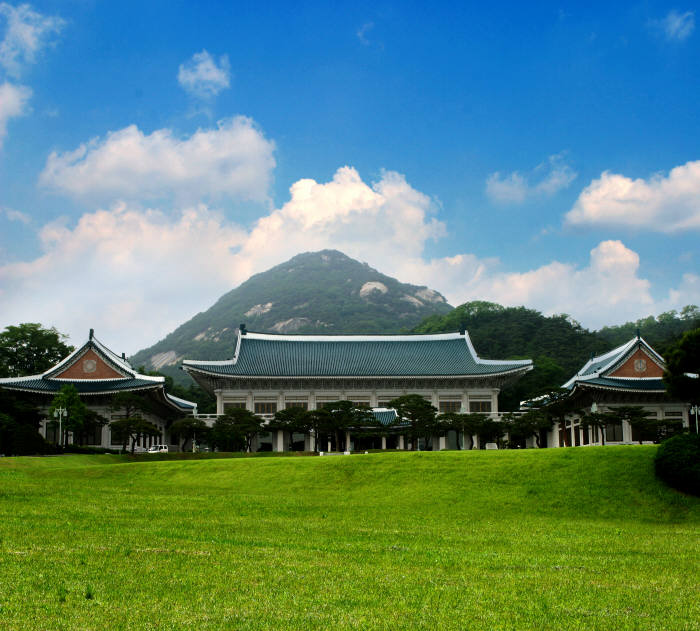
{"x": 313, "y": 292}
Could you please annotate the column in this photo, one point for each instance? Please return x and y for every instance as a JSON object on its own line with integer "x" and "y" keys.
{"x": 626, "y": 432}
{"x": 401, "y": 443}
{"x": 439, "y": 443}
{"x": 347, "y": 441}
{"x": 383, "y": 442}
{"x": 278, "y": 440}
{"x": 219, "y": 401}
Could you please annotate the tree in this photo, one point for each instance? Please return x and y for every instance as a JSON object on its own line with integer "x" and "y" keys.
{"x": 226, "y": 435}
{"x": 683, "y": 369}
{"x": 490, "y": 430}
{"x": 340, "y": 416}
{"x": 466, "y": 424}
{"x": 131, "y": 406}
{"x": 292, "y": 420}
{"x": 235, "y": 430}
{"x": 189, "y": 428}
{"x": 134, "y": 428}
{"x": 30, "y": 349}
{"x": 600, "y": 421}
{"x": 19, "y": 424}
{"x": 420, "y": 415}
{"x": 79, "y": 419}
{"x": 531, "y": 423}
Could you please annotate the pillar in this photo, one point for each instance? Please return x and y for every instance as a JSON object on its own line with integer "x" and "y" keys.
{"x": 347, "y": 441}
{"x": 626, "y": 432}
{"x": 383, "y": 442}
{"x": 401, "y": 443}
{"x": 278, "y": 440}
{"x": 219, "y": 401}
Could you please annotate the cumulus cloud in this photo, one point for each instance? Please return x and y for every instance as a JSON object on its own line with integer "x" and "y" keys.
{"x": 137, "y": 274}
{"x": 678, "y": 26}
{"x": 13, "y": 103}
{"x": 202, "y": 77}
{"x": 26, "y": 34}
{"x": 233, "y": 160}
{"x": 661, "y": 203}
{"x": 546, "y": 180}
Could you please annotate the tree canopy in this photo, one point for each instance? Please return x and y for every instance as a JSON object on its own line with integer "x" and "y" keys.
{"x": 682, "y": 374}
{"x": 30, "y": 349}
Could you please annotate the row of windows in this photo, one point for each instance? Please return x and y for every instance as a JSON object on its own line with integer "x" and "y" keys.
{"x": 270, "y": 407}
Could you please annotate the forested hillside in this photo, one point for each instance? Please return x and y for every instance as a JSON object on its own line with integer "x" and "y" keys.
{"x": 558, "y": 344}
{"x": 315, "y": 292}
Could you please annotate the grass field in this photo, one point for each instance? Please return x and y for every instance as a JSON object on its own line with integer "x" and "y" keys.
{"x": 553, "y": 539}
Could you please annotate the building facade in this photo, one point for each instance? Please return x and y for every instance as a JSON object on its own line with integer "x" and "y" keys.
{"x": 271, "y": 372}
{"x": 629, "y": 375}
{"x": 98, "y": 374}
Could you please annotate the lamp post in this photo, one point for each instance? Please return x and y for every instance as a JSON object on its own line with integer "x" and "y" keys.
{"x": 60, "y": 414}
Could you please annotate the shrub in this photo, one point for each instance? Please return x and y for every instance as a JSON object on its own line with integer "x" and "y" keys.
{"x": 677, "y": 463}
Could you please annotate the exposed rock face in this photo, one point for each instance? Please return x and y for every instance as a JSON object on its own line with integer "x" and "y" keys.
{"x": 291, "y": 325}
{"x": 429, "y": 295}
{"x": 371, "y": 287}
{"x": 169, "y": 358}
{"x": 412, "y": 300}
{"x": 258, "y": 309}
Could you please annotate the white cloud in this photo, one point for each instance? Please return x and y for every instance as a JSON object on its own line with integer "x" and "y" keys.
{"x": 661, "y": 203}
{"x": 678, "y": 26}
{"x": 16, "y": 215}
{"x": 363, "y": 31}
{"x": 234, "y": 160}
{"x": 202, "y": 77}
{"x": 135, "y": 275}
{"x": 546, "y": 180}
{"x": 26, "y": 33}
{"x": 13, "y": 103}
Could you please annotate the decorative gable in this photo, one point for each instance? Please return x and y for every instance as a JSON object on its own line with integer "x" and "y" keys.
{"x": 89, "y": 366}
{"x": 639, "y": 365}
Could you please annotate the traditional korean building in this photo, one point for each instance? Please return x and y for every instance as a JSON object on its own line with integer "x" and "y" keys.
{"x": 271, "y": 372}
{"x": 99, "y": 374}
{"x": 629, "y": 375}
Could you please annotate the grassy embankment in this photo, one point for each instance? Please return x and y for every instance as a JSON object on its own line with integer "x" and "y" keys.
{"x": 552, "y": 539}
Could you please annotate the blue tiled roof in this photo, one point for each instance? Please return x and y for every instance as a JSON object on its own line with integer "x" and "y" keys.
{"x": 44, "y": 385}
{"x": 385, "y": 417}
{"x": 47, "y": 383}
{"x": 619, "y": 383}
{"x": 263, "y": 355}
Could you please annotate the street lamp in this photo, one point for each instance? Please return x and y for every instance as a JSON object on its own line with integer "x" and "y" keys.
{"x": 60, "y": 414}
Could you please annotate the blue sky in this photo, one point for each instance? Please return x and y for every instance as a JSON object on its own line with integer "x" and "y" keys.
{"x": 542, "y": 155}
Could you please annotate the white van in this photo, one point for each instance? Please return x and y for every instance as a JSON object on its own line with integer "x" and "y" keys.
{"x": 158, "y": 449}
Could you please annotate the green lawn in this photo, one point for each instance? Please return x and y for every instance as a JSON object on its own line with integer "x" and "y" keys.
{"x": 553, "y": 539}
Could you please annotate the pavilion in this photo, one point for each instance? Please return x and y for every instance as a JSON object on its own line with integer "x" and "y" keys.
{"x": 99, "y": 374}
{"x": 629, "y": 375}
{"x": 270, "y": 372}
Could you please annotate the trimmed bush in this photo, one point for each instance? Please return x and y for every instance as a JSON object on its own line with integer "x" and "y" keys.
{"x": 677, "y": 463}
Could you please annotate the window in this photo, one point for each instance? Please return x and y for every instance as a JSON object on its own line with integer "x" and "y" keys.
{"x": 116, "y": 438}
{"x": 265, "y": 407}
{"x": 93, "y": 435}
{"x": 360, "y": 404}
{"x": 480, "y": 406}
{"x": 234, "y": 405}
{"x": 613, "y": 433}
{"x": 52, "y": 432}
{"x": 673, "y": 414}
{"x": 302, "y": 405}
{"x": 450, "y": 406}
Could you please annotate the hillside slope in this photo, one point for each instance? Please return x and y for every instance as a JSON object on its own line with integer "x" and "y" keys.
{"x": 320, "y": 292}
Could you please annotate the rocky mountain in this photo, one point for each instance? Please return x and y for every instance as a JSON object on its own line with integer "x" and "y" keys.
{"x": 316, "y": 292}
